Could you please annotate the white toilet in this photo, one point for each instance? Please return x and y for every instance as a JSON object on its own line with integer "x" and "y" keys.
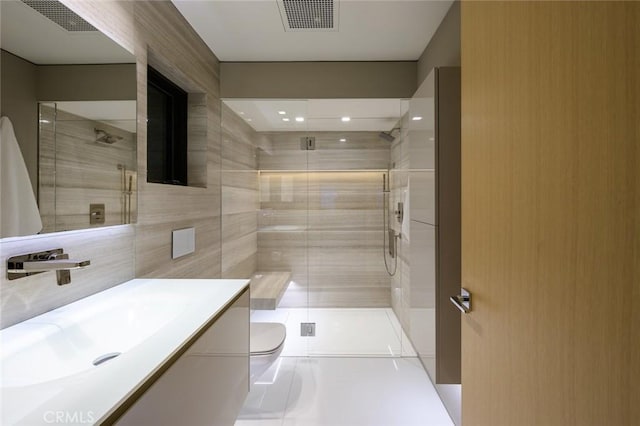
{"x": 266, "y": 342}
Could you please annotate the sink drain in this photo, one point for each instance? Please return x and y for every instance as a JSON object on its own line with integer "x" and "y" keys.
{"x": 105, "y": 358}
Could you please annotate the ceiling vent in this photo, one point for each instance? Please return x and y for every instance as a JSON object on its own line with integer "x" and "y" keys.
{"x": 309, "y": 15}
{"x": 60, "y": 14}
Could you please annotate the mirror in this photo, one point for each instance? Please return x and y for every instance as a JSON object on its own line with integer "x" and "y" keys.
{"x": 69, "y": 93}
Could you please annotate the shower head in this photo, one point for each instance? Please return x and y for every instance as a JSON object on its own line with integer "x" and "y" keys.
{"x": 105, "y": 137}
{"x": 388, "y": 136}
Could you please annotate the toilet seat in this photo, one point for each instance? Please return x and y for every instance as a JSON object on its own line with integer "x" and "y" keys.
{"x": 266, "y": 337}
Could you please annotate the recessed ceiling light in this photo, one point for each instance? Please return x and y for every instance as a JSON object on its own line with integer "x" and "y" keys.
{"x": 417, "y": 118}
{"x": 300, "y": 119}
{"x": 345, "y": 119}
{"x": 241, "y": 113}
{"x": 249, "y": 119}
{"x": 343, "y": 140}
{"x": 285, "y": 119}
{"x": 282, "y": 112}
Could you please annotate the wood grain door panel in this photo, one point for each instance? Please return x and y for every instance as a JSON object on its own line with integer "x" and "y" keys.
{"x": 550, "y": 207}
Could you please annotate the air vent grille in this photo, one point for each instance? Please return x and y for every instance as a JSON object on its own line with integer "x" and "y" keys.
{"x": 60, "y": 14}
{"x": 309, "y": 15}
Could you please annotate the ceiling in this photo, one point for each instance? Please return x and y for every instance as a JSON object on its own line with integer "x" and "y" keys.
{"x": 31, "y": 36}
{"x": 367, "y": 30}
{"x": 319, "y": 114}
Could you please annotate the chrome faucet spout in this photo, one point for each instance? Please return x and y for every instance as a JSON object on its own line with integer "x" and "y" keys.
{"x": 52, "y": 265}
{"x": 51, "y": 260}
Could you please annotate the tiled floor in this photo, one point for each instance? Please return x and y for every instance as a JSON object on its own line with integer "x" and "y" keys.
{"x": 341, "y": 332}
{"x": 344, "y": 392}
{"x": 350, "y": 374}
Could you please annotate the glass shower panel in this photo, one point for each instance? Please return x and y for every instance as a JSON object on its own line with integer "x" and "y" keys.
{"x": 421, "y": 133}
{"x": 47, "y": 165}
{"x": 399, "y": 193}
{"x": 283, "y": 216}
{"x": 349, "y": 290}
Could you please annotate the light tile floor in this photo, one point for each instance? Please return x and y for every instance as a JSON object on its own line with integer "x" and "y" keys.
{"x": 341, "y": 332}
{"x": 299, "y": 391}
{"x": 350, "y": 374}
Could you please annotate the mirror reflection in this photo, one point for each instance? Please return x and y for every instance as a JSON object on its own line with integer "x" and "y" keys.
{"x": 69, "y": 122}
{"x": 87, "y": 158}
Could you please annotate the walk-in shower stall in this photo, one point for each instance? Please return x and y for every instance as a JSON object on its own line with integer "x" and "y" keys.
{"x": 324, "y": 193}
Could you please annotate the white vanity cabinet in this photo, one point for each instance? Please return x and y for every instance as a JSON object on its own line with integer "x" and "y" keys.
{"x": 208, "y": 382}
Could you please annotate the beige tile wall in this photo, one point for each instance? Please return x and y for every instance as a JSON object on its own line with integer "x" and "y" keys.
{"x": 197, "y": 132}
{"x": 160, "y": 29}
{"x": 362, "y": 150}
{"x": 239, "y": 196}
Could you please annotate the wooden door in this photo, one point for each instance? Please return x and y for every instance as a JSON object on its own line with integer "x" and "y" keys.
{"x": 551, "y": 213}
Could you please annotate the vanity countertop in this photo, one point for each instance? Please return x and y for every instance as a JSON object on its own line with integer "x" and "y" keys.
{"x": 47, "y": 370}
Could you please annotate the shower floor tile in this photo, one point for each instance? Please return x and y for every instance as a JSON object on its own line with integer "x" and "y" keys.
{"x": 341, "y": 332}
{"x": 342, "y": 391}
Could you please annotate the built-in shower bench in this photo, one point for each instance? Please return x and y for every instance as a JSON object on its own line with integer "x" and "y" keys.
{"x": 267, "y": 288}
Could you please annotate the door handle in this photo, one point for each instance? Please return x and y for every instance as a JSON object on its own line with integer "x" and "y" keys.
{"x": 463, "y": 301}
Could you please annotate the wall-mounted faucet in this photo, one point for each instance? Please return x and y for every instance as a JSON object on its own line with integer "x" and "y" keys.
{"x": 50, "y": 260}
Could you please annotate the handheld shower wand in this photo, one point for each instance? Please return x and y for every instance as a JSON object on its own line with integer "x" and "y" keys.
{"x": 386, "y": 228}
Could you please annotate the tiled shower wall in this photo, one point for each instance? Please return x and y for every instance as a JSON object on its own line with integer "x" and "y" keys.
{"x": 321, "y": 218}
{"x": 240, "y": 195}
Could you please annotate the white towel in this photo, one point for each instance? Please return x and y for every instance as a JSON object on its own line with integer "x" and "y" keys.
{"x": 19, "y": 213}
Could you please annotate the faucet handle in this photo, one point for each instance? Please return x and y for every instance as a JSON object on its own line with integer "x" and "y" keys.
{"x": 54, "y": 255}
{"x": 63, "y": 276}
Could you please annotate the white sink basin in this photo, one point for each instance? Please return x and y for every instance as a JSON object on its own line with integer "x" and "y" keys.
{"x": 68, "y": 341}
{"x": 47, "y": 362}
